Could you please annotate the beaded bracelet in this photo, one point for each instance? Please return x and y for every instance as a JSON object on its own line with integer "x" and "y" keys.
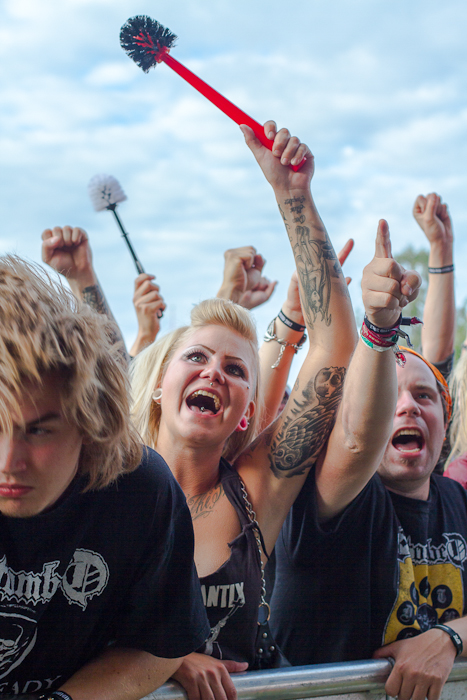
{"x": 271, "y": 335}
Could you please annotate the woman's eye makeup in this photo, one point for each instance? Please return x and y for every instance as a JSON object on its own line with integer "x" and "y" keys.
{"x": 195, "y": 355}
{"x": 236, "y": 370}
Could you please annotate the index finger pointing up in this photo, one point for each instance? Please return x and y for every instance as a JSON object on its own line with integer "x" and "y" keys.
{"x": 383, "y": 241}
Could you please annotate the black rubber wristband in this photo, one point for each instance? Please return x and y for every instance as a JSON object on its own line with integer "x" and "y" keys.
{"x": 55, "y": 695}
{"x": 456, "y": 639}
{"x": 382, "y": 331}
{"x": 441, "y": 270}
{"x": 288, "y": 322}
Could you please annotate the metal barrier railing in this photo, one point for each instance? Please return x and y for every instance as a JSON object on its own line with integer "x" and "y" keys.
{"x": 317, "y": 681}
{"x": 313, "y": 681}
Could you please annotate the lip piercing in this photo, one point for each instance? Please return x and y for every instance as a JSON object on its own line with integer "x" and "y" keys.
{"x": 202, "y": 409}
{"x": 212, "y": 383}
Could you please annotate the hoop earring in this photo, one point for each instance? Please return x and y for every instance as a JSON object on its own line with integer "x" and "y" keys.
{"x": 157, "y": 395}
{"x": 243, "y": 425}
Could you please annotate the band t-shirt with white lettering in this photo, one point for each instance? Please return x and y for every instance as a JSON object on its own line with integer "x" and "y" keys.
{"x": 387, "y": 568}
{"x": 113, "y": 566}
{"x": 232, "y": 593}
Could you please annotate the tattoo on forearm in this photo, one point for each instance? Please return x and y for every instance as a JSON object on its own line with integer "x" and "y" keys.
{"x": 311, "y": 258}
{"x": 304, "y": 432}
{"x": 203, "y": 505}
{"x": 286, "y": 223}
{"x": 94, "y": 297}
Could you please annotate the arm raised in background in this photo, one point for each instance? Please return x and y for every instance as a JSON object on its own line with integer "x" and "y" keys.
{"x": 243, "y": 280}
{"x": 439, "y": 315}
{"x": 67, "y": 251}
{"x": 365, "y": 416}
{"x": 149, "y": 306}
{"x": 274, "y": 467}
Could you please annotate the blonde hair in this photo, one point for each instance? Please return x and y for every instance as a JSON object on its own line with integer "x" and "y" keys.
{"x": 149, "y": 367}
{"x": 458, "y": 427}
{"x": 44, "y": 329}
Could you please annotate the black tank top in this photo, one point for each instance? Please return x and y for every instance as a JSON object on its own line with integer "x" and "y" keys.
{"x": 232, "y": 593}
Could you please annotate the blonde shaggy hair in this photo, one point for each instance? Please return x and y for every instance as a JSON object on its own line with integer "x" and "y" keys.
{"x": 44, "y": 329}
{"x": 148, "y": 369}
{"x": 458, "y": 426}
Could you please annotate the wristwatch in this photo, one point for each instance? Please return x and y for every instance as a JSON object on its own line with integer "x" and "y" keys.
{"x": 55, "y": 695}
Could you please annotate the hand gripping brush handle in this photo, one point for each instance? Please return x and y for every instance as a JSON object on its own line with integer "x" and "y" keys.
{"x": 147, "y": 42}
{"x": 106, "y": 192}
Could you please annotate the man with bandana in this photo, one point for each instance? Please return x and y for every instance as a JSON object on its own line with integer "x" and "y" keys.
{"x": 384, "y": 575}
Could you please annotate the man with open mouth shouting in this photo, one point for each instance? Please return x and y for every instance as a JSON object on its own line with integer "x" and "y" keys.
{"x": 391, "y": 566}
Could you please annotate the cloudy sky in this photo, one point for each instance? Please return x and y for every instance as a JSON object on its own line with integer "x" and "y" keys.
{"x": 376, "y": 88}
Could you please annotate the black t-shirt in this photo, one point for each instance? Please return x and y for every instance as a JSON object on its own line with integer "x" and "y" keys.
{"x": 232, "y": 593}
{"x": 387, "y": 568}
{"x": 113, "y": 566}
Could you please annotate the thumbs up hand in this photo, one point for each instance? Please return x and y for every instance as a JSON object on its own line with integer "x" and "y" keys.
{"x": 386, "y": 286}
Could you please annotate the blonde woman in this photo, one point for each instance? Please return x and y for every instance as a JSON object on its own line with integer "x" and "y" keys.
{"x": 196, "y": 400}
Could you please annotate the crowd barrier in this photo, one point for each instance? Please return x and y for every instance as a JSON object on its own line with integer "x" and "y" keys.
{"x": 356, "y": 680}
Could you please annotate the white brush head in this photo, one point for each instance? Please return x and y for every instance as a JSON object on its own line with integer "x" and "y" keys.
{"x": 105, "y": 191}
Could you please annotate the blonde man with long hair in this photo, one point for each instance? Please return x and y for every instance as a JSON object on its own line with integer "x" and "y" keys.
{"x": 93, "y": 602}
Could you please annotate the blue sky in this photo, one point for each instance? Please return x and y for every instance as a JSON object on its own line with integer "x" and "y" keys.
{"x": 376, "y": 89}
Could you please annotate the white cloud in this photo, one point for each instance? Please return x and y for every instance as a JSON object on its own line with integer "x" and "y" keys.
{"x": 377, "y": 90}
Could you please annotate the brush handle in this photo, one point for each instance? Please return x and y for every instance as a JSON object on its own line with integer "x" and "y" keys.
{"x": 126, "y": 237}
{"x": 225, "y": 105}
{"x": 139, "y": 267}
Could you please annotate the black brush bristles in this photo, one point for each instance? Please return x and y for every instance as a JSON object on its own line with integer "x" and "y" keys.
{"x": 143, "y": 38}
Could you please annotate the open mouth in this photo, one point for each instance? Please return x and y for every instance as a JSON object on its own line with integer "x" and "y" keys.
{"x": 408, "y": 440}
{"x": 204, "y": 402}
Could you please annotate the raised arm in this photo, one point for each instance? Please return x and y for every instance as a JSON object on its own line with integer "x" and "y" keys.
{"x": 274, "y": 468}
{"x": 276, "y": 358}
{"x": 364, "y": 419}
{"x": 439, "y": 316}
{"x": 67, "y": 251}
{"x": 149, "y": 306}
{"x": 243, "y": 280}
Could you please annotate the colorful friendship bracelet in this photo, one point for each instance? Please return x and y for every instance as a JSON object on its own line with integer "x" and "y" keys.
{"x": 386, "y": 339}
{"x": 382, "y": 339}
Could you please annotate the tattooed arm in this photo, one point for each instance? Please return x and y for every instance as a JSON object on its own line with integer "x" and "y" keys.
{"x": 67, "y": 251}
{"x": 276, "y": 360}
{"x": 275, "y": 466}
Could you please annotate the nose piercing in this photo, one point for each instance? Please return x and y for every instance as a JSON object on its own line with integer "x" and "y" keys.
{"x": 202, "y": 409}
